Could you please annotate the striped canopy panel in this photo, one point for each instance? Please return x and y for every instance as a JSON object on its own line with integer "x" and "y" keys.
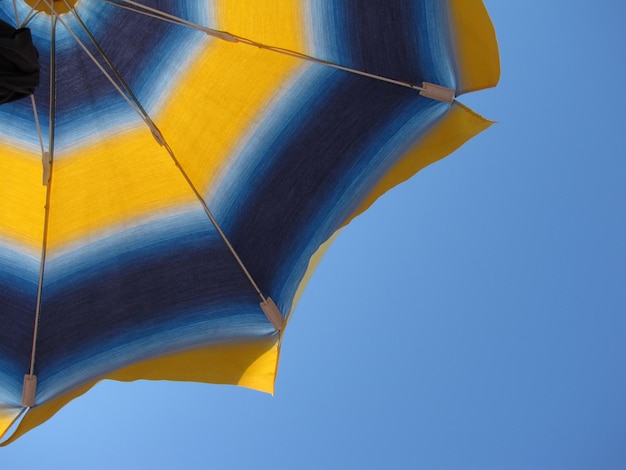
{"x": 283, "y": 149}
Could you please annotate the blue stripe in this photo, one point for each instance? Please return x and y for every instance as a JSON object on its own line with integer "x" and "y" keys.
{"x": 130, "y": 242}
{"x": 403, "y": 39}
{"x": 11, "y": 382}
{"x": 326, "y": 149}
{"x": 156, "y": 62}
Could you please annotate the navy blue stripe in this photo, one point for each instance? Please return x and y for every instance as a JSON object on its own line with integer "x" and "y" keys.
{"x": 406, "y": 40}
{"x": 17, "y": 304}
{"x": 320, "y": 161}
{"x": 381, "y": 37}
{"x": 133, "y": 298}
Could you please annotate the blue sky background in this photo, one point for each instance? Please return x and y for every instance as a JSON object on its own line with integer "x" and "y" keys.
{"x": 475, "y": 317}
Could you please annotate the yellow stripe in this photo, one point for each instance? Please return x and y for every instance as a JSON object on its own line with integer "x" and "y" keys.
{"x": 22, "y": 198}
{"x": 229, "y": 85}
{"x": 111, "y": 183}
{"x": 249, "y": 364}
{"x": 476, "y": 48}
{"x": 271, "y": 22}
{"x": 217, "y": 102}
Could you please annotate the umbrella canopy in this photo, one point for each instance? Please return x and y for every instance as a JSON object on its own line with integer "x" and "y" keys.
{"x": 182, "y": 166}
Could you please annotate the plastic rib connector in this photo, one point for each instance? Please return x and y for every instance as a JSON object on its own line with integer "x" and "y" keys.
{"x": 28, "y": 392}
{"x": 272, "y": 313}
{"x": 437, "y": 92}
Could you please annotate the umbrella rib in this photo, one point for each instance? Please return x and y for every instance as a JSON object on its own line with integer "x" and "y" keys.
{"x": 429, "y": 90}
{"x": 30, "y": 379}
{"x": 267, "y": 304}
{"x": 53, "y": 92}
{"x": 37, "y": 125}
{"x": 17, "y": 15}
{"x": 151, "y": 12}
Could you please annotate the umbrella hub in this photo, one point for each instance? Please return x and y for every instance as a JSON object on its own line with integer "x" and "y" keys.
{"x": 60, "y": 6}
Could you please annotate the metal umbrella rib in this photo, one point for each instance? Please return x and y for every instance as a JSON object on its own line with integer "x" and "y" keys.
{"x": 30, "y": 379}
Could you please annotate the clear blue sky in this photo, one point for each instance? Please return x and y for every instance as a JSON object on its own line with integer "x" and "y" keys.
{"x": 491, "y": 293}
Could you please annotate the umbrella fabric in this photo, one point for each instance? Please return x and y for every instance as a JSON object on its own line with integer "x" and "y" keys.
{"x": 115, "y": 258}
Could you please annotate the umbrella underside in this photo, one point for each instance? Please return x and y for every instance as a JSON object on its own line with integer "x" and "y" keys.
{"x": 202, "y": 168}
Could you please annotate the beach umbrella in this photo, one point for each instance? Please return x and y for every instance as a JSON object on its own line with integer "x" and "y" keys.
{"x": 182, "y": 165}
